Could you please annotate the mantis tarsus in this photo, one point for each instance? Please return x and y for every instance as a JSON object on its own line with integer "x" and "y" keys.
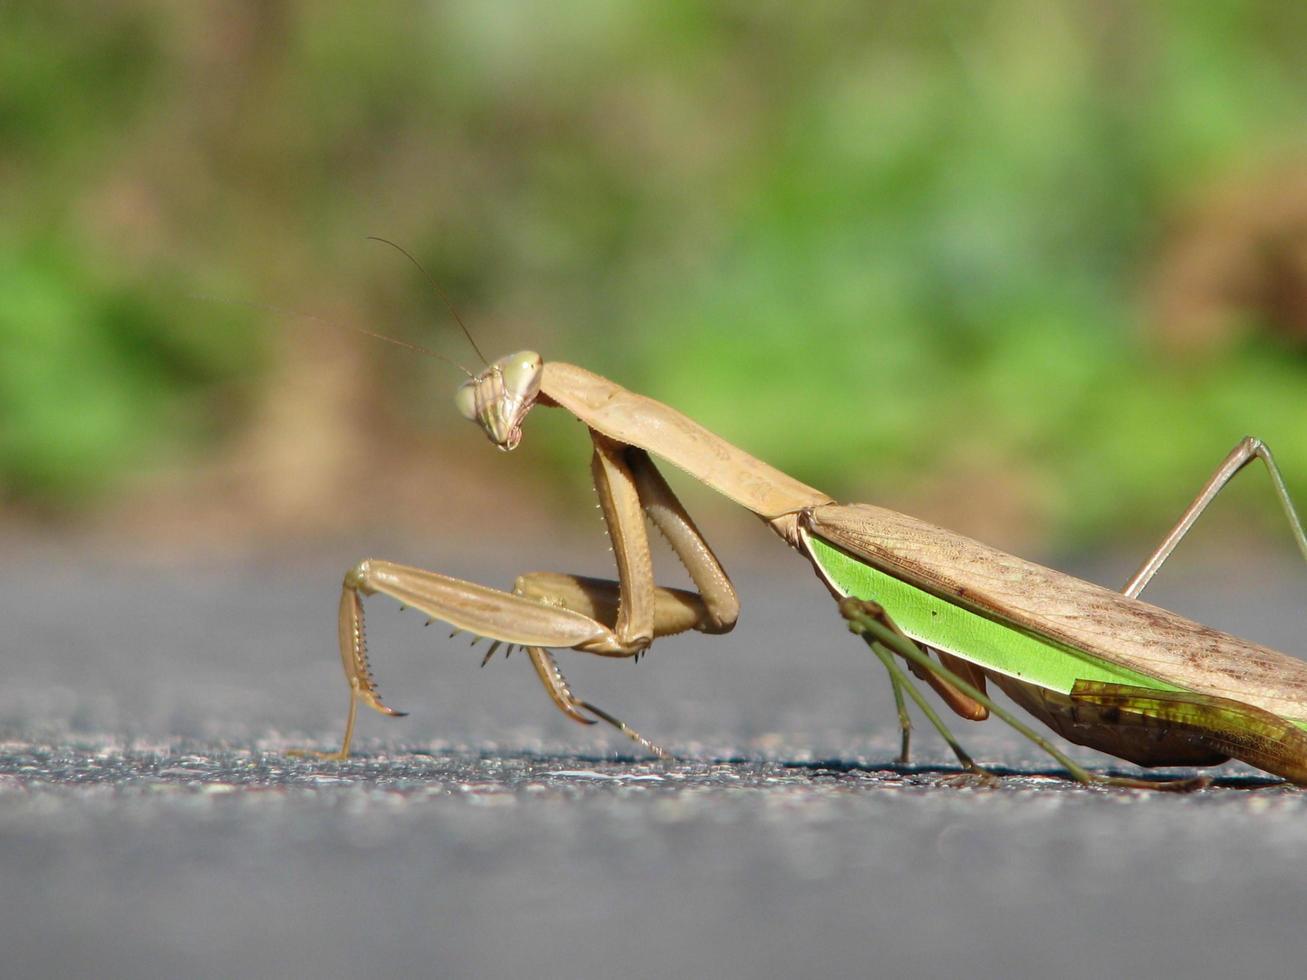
{"x": 1103, "y": 669}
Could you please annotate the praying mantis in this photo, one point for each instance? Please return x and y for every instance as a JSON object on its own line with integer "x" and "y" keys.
{"x": 1102, "y": 669}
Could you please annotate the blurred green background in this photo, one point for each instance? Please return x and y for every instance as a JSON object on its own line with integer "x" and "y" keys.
{"x": 1031, "y": 268}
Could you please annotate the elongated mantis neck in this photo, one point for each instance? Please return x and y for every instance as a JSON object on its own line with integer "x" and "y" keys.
{"x": 637, "y": 420}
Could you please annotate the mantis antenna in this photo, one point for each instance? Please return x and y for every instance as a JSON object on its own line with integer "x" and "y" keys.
{"x": 283, "y": 311}
{"x": 439, "y": 292}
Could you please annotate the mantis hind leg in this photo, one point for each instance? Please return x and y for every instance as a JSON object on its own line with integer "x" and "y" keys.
{"x": 1248, "y": 449}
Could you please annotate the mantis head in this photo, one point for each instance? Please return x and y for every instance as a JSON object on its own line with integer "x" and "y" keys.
{"x": 499, "y": 397}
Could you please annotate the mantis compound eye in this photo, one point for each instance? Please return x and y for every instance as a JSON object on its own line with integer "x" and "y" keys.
{"x": 521, "y": 372}
{"x": 465, "y": 400}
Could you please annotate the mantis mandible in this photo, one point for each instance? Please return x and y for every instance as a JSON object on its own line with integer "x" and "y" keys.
{"x": 1103, "y": 669}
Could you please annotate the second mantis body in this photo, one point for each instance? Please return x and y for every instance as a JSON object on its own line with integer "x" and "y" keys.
{"x": 1103, "y": 669}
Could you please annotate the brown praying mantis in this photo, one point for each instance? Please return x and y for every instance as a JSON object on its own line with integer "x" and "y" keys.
{"x": 1103, "y": 669}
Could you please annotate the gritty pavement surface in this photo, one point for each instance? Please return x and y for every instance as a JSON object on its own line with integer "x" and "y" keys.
{"x": 151, "y": 824}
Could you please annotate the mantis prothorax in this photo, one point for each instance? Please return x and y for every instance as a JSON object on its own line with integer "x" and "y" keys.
{"x": 1101, "y": 668}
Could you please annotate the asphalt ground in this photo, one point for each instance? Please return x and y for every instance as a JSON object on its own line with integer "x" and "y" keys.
{"x": 151, "y": 824}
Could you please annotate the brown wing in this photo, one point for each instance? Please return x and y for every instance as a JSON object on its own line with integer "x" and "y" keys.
{"x": 1119, "y": 630}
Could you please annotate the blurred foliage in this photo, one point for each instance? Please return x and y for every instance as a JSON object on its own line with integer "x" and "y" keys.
{"x": 892, "y": 248}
